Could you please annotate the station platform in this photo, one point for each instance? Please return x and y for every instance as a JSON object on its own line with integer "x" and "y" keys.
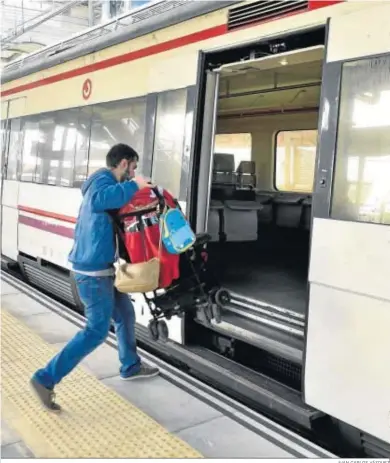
{"x": 104, "y": 416}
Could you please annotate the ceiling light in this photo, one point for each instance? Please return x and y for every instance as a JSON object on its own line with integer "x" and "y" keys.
{"x": 283, "y": 62}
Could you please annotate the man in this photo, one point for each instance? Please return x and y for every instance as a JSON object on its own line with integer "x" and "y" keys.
{"x": 92, "y": 259}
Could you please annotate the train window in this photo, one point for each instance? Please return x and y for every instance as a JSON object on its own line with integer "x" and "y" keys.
{"x": 295, "y": 160}
{"x": 361, "y": 190}
{"x": 57, "y": 148}
{"x": 169, "y": 140}
{"x": 117, "y": 122}
{"x": 4, "y": 145}
{"x": 15, "y": 138}
{"x": 46, "y": 167}
{"x": 82, "y": 146}
{"x": 31, "y": 139}
{"x": 4, "y": 137}
{"x": 238, "y": 144}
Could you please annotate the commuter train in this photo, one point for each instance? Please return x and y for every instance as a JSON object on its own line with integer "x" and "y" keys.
{"x": 270, "y": 122}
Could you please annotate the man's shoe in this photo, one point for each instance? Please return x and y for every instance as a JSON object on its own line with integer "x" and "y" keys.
{"x": 143, "y": 373}
{"x": 46, "y": 396}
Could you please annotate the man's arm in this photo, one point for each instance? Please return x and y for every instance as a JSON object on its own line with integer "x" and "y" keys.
{"x": 108, "y": 196}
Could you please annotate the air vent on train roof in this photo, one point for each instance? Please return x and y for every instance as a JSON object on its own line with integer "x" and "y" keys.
{"x": 263, "y": 10}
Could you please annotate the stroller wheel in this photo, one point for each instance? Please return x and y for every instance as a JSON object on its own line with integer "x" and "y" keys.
{"x": 217, "y": 314}
{"x": 153, "y": 330}
{"x": 163, "y": 331}
{"x": 222, "y": 297}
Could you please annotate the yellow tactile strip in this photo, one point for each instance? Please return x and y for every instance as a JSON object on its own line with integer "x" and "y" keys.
{"x": 95, "y": 422}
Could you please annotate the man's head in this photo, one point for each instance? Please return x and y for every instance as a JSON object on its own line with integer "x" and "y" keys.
{"x": 122, "y": 160}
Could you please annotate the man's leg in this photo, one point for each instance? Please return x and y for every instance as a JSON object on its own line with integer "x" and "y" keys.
{"x": 97, "y": 295}
{"x": 124, "y": 320}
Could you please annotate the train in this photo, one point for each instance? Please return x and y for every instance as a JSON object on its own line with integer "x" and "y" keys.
{"x": 269, "y": 121}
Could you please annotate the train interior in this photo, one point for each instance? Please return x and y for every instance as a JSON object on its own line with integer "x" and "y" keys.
{"x": 261, "y": 194}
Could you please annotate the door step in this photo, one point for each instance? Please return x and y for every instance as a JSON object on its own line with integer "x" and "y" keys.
{"x": 269, "y": 395}
{"x": 256, "y": 390}
{"x": 254, "y": 332}
{"x": 288, "y": 326}
{"x": 279, "y": 317}
{"x": 273, "y": 329}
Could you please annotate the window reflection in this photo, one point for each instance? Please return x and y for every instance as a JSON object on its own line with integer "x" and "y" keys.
{"x": 295, "y": 160}
{"x": 4, "y": 141}
{"x": 169, "y": 143}
{"x": 367, "y": 113}
{"x": 32, "y": 137}
{"x": 55, "y": 147}
{"x": 82, "y": 135}
{"x": 362, "y": 187}
{"x": 14, "y": 149}
{"x": 117, "y": 122}
{"x": 56, "y": 150}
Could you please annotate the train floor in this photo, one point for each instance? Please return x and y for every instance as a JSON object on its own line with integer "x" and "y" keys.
{"x": 104, "y": 416}
{"x": 277, "y": 278}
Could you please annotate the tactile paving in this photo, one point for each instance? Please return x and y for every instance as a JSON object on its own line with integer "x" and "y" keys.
{"x": 95, "y": 421}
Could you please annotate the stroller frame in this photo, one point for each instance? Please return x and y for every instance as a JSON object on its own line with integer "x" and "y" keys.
{"x": 195, "y": 291}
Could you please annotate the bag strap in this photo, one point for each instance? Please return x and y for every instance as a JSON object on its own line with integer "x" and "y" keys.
{"x": 118, "y": 234}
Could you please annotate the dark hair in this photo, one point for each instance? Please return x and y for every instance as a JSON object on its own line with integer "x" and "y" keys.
{"x": 119, "y": 152}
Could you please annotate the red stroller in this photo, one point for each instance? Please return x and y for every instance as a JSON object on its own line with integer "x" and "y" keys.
{"x": 186, "y": 282}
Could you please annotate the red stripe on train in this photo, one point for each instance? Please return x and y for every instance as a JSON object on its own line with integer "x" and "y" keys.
{"x": 46, "y": 226}
{"x": 51, "y": 215}
{"x": 125, "y": 58}
{"x": 315, "y": 4}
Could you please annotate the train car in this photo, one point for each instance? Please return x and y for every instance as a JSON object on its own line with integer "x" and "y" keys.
{"x": 269, "y": 121}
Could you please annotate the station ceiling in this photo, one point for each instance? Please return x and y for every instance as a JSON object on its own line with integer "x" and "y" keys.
{"x": 28, "y": 25}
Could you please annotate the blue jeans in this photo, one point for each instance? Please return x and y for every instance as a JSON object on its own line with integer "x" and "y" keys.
{"x": 102, "y": 302}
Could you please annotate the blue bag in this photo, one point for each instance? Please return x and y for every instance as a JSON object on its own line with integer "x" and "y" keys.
{"x": 177, "y": 235}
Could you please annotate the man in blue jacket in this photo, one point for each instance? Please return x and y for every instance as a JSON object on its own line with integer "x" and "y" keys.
{"x": 92, "y": 259}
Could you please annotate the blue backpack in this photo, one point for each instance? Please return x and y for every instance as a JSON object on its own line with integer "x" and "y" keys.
{"x": 177, "y": 235}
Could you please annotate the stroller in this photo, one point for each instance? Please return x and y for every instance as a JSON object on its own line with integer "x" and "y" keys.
{"x": 187, "y": 283}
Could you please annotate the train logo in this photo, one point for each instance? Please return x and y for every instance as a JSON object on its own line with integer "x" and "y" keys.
{"x": 87, "y": 89}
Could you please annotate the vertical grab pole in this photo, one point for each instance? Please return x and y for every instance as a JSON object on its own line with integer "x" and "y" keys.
{"x": 207, "y": 151}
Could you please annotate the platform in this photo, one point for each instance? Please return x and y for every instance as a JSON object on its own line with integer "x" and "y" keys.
{"x": 103, "y": 416}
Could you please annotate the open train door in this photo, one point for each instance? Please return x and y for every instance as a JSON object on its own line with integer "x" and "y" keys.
{"x": 347, "y": 355}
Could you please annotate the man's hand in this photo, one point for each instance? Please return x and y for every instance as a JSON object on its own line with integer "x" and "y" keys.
{"x": 142, "y": 182}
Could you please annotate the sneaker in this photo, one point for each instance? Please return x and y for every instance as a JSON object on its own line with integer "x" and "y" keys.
{"x": 144, "y": 372}
{"x": 46, "y": 396}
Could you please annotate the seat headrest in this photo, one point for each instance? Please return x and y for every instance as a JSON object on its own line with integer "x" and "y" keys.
{"x": 223, "y": 162}
{"x": 247, "y": 167}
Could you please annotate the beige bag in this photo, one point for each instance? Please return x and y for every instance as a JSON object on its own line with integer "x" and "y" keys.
{"x": 138, "y": 278}
{"x": 142, "y": 277}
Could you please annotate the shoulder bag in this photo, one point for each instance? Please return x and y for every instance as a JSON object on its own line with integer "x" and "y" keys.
{"x": 142, "y": 277}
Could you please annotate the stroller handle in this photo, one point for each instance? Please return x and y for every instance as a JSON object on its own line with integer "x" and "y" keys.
{"x": 146, "y": 210}
{"x": 160, "y": 197}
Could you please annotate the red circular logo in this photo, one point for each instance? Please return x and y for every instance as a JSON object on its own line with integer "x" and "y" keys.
{"x": 87, "y": 89}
